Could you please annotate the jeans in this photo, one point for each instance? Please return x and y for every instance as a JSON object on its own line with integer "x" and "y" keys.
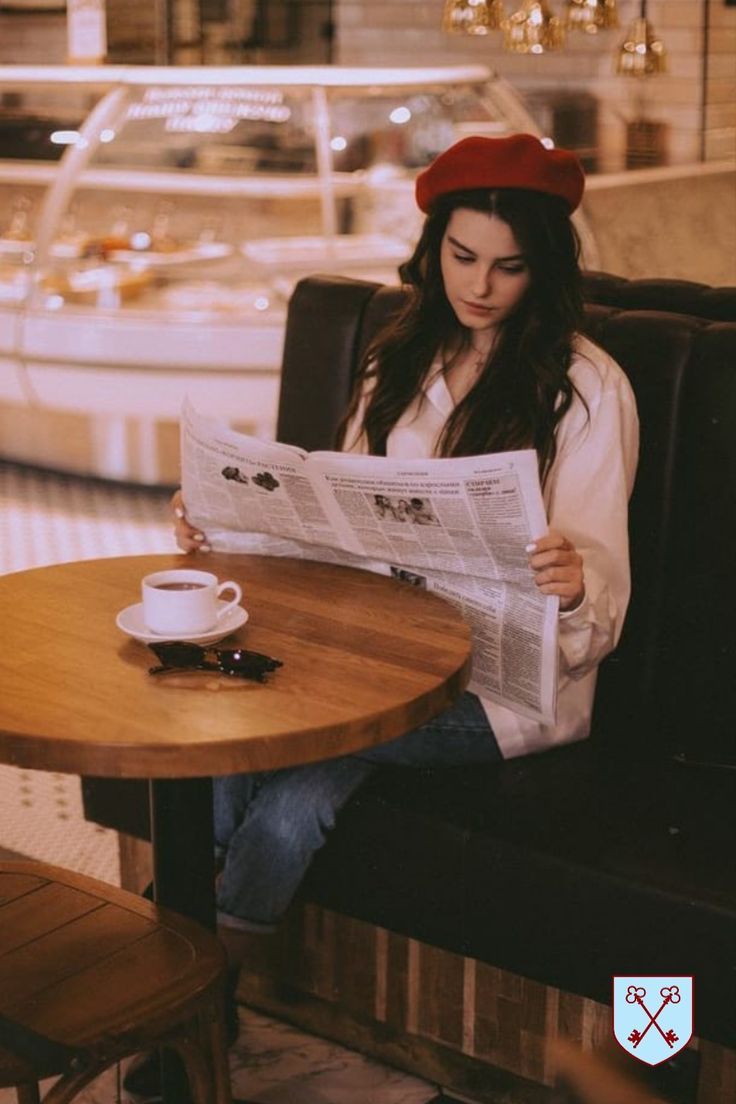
{"x": 270, "y": 824}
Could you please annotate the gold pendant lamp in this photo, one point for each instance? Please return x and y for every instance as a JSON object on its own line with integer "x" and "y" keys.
{"x": 641, "y": 54}
{"x": 590, "y": 16}
{"x": 533, "y": 29}
{"x": 472, "y": 17}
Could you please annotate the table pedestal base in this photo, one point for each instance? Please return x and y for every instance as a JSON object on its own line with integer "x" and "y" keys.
{"x": 184, "y": 847}
{"x": 183, "y": 873}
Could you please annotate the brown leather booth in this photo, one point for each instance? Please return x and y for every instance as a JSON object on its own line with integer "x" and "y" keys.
{"x": 614, "y": 856}
{"x": 717, "y": 304}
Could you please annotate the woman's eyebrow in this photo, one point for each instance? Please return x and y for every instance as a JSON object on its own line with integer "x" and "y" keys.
{"x": 466, "y": 249}
{"x": 459, "y": 245}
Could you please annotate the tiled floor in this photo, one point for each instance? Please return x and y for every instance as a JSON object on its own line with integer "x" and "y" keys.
{"x": 48, "y": 519}
{"x": 274, "y": 1063}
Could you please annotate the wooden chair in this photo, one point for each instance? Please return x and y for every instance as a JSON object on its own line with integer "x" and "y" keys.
{"x": 91, "y": 974}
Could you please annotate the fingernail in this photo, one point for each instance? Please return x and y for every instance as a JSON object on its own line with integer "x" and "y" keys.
{"x": 178, "y": 512}
{"x": 198, "y": 536}
{"x": 531, "y": 547}
{"x": 205, "y": 548}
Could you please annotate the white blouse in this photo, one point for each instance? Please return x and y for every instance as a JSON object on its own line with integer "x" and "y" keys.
{"x": 586, "y": 495}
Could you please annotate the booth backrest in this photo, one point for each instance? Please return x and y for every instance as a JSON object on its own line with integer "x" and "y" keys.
{"x": 678, "y": 641}
{"x": 670, "y": 686}
{"x": 682, "y": 296}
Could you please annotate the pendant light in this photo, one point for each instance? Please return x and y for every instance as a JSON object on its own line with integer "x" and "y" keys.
{"x": 533, "y": 29}
{"x": 641, "y": 54}
{"x": 590, "y": 16}
{"x": 472, "y": 17}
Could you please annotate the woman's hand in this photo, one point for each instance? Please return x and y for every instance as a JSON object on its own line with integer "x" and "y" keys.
{"x": 558, "y": 568}
{"x": 594, "y": 1077}
{"x": 187, "y": 537}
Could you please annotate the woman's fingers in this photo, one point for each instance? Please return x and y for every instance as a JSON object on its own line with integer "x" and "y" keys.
{"x": 558, "y": 568}
{"x": 557, "y": 574}
{"x": 550, "y": 542}
{"x": 562, "y": 557}
{"x": 188, "y": 544}
{"x": 187, "y": 537}
{"x": 565, "y": 556}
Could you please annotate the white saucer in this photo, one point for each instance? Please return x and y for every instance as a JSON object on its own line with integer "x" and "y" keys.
{"x": 130, "y": 620}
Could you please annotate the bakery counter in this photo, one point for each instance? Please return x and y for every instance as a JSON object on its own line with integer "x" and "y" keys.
{"x": 119, "y": 421}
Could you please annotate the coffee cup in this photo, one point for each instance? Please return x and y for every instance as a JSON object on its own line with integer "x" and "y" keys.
{"x": 184, "y": 601}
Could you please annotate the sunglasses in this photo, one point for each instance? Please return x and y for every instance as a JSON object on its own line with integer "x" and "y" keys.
{"x": 178, "y": 656}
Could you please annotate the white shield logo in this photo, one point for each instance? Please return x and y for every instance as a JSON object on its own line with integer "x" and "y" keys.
{"x": 653, "y": 1016}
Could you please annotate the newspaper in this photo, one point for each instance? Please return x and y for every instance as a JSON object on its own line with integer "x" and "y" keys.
{"x": 458, "y": 527}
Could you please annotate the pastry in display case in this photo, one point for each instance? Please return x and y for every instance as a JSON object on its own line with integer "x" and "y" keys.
{"x": 154, "y": 259}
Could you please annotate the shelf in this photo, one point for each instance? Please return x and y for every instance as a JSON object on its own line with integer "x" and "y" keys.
{"x": 188, "y": 182}
{"x": 304, "y": 253}
{"x": 303, "y": 76}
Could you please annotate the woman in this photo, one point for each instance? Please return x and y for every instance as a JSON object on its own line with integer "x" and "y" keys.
{"x": 485, "y": 357}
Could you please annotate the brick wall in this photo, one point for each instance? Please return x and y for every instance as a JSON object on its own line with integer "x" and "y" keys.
{"x": 407, "y": 32}
{"x": 37, "y": 39}
{"x": 720, "y": 116}
{"x": 131, "y": 31}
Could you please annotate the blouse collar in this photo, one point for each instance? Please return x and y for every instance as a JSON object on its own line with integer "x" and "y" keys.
{"x": 437, "y": 392}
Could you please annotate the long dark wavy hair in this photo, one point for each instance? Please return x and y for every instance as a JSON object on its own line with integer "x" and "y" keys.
{"x": 524, "y": 389}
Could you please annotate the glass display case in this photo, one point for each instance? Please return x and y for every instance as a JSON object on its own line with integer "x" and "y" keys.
{"x": 153, "y": 223}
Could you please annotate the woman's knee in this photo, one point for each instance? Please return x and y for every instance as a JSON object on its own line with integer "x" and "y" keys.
{"x": 304, "y": 809}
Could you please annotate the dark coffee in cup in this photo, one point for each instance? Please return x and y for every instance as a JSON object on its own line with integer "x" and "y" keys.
{"x": 179, "y": 586}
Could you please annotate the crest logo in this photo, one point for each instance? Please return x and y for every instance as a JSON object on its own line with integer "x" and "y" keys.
{"x": 653, "y": 1016}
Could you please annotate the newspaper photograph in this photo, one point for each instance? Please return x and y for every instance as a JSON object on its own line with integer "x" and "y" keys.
{"x": 458, "y": 527}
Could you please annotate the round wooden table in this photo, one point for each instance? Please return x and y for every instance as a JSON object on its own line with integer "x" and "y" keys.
{"x": 365, "y": 659}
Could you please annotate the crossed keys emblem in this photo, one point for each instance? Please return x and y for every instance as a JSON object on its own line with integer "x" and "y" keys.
{"x": 670, "y": 994}
{"x": 653, "y": 1015}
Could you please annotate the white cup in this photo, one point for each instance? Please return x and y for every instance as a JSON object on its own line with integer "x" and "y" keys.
{"x": 184, "y": 601}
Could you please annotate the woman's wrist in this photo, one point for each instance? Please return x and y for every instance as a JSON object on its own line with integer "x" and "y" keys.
{"x": 575, "y": 606}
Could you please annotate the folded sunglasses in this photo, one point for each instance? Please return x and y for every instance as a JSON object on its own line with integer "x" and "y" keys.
{"x": 179, "y": 656}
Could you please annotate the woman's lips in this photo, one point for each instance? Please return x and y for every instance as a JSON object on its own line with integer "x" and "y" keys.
{"x": 477, "y": 307}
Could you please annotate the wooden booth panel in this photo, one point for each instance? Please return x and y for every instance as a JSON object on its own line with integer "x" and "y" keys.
{"x": 471, "y": 1027}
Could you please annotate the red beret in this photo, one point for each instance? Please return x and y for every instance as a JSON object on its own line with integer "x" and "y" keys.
{"x": 519, "y": 161}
